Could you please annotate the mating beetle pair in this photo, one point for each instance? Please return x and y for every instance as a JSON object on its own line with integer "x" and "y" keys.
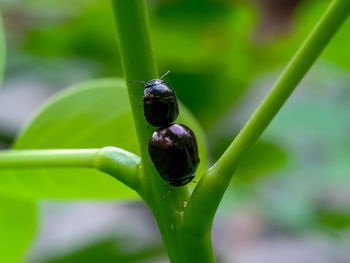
{"x": 173, "y": 147}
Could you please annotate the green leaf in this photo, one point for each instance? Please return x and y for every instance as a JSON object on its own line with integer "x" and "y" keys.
{"x": 2, "y": 50}
{"x": 17, "y": 228}
{"x": 263, "y": 158}
{"x": 110, "y": 251}
{"x": 89, "y": 115}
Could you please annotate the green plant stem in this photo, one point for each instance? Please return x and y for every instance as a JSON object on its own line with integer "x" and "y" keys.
{"x": 139, "y": 65}
{"x": 207, "y": 195}
{"x": 137, "y": 59}
{"x": 121, "y": 164}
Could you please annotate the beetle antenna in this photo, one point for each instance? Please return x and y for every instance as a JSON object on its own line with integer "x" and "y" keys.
{"x": 167, "y": 193}
{"x": 166, "y": 73}
{"x": 139, "y": 82}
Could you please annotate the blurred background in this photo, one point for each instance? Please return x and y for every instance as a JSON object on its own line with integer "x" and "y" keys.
{"x": 289, "y": 200}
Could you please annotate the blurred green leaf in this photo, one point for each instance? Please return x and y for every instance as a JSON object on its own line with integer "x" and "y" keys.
{"x": 334, "y": 219}
{"x": 2, "y": 50}
{"x": 90, "y": 115}
{"x": 17, "y": 228}
{"x": 207, "y": 49}
{"x": 111, "y": 251}
{"x": 263, "y": 158}
{"x": 87, "y": 34}
{"x": 48, "y": 8}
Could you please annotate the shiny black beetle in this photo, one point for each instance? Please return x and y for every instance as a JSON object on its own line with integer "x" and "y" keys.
{"x": 174, "y": 153}
{"x": 159, "y": 101}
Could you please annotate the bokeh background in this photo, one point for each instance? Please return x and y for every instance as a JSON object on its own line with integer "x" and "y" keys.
{"x": 290, "y": 198}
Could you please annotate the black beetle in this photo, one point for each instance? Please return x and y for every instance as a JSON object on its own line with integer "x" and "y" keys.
{"x": 174, "y": 152}
{"x": 159, "y": 101}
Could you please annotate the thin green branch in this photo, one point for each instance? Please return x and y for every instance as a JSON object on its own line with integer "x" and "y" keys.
{"x": 207, "y": 195}
{"x": 120, "y": 164}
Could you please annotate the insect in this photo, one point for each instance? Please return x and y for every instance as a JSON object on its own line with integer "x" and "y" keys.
{"x": 159, "y": 101}
{"x": 174, "y": 153}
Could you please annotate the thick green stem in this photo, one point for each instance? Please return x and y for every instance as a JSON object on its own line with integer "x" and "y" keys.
{"x": 120, "y": 164}
{"x": 139, "y": 65}
{"x": 208, "y": 194}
